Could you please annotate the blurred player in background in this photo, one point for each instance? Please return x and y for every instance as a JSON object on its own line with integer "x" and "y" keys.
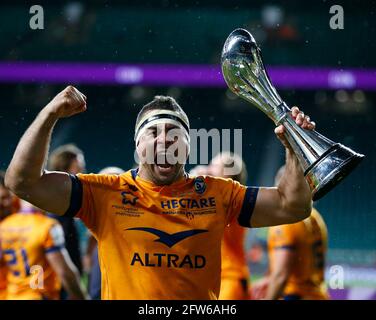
{"x": 296, "y": 259}
{"x": 69, "y": 158}
{"x": 6, "y": 208}
{"x": 235, "y": 272}
{"x": 159, "y": 230}
{"x": 32, "y": 246}
{"x": 92, "y": 263}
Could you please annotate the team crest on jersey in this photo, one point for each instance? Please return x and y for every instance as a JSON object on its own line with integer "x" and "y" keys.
{"x": 199, "y": 185}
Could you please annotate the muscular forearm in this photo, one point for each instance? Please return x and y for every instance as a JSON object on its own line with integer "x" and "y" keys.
{"x": 29, "y": 158}
{"x": 294, "y": 190}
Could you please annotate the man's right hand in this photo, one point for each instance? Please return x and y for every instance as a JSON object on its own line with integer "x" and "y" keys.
{"x": 67, "y": 103}
{"x": 25, "y": 176}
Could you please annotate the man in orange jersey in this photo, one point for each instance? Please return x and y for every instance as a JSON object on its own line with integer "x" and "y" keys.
{"x": 32, "y": 246}
{"x": 296, "y": 259}
{"x": 235, "y": 272}
{"x": 159, "y": 230}
{"x": 92, "y": 264}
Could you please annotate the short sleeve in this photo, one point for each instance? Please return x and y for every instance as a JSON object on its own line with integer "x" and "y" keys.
{"x": 282, "y": 237}
{"x": 76, "y": 198}
{"x": 241, "y": 201}
{"x": 88, "y": 199}
{"x": 82, "y": 200}
{"x": 54, "y": 240}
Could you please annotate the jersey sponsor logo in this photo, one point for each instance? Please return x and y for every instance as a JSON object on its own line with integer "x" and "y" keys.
{"x": 189, "y": 207}
{"x": 129, "y": 198}
{"x": 168, "y": 260}
{"x": 187, "y": 203}
{"x": 129, "y": 201}
{"x": 169, "y": 239}
{"x": 199, "y": 185}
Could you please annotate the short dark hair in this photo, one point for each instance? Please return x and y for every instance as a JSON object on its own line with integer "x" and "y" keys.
{"x": 61, "y": 158}
{"x": 161, "y": 103}
{"x": 2, "y": 179}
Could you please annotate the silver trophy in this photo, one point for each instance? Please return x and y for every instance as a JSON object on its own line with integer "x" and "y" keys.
{"x": 324, "y": 162}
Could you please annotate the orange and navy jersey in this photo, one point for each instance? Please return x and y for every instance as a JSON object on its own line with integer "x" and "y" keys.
{"x": 159, "y": 242}
{"x": 234, "y": 263}
{"x": 308, "y": 239}
{"x": 234, "y": 273}
{"x": 26, "y": 239}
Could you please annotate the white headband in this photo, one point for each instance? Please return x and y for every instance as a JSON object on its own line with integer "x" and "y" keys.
{"x": 161, "y": 116}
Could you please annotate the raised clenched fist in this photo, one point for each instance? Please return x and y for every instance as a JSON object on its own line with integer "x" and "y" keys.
{"x": 68, "y": 102}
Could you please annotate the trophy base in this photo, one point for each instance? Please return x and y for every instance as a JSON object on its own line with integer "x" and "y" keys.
{"x": 334, "y": 165}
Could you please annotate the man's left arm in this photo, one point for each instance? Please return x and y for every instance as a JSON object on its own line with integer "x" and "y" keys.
{"x": 291, "y": 200}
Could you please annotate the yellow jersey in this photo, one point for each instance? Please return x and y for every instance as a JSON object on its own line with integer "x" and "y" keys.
{"x": 234, "y": 263}
{"x": 308, "y": 239}
{"x": 26, "y": 239}
{"x": 159, "y": 242}
{"x": 235, "y": 272}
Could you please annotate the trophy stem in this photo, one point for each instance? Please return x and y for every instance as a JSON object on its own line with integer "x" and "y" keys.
{"x": 308, "y": 145}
